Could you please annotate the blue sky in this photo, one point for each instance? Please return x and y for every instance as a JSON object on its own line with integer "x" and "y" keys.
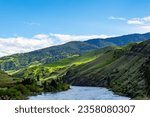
{"x": 29, "y": 17}
{"x": 60, "y": 21}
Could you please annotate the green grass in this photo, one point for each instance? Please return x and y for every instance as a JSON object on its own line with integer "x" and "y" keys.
{"x": 106, "y": 56}
{"x": 55, "y": 69}
{"x": 7, "y": 80}
{"x": 59, "y": 68}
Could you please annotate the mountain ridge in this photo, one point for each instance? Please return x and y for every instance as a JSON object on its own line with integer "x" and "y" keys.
{"x": 123, "y": 71}
{"x": 54, "y": 53}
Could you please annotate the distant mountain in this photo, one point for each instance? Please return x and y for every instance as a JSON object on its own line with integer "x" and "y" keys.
{"x": 48, "y": 55}
{"x": 52, "y": 54}
{"x": 125, "y": 70}
{"x": 120, "y": 40}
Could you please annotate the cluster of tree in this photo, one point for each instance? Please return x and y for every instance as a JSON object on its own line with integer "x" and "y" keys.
{"x": 55, "y": 86}
{"x": 28, "y": 87}
{"x": 146, "y": 74}
{"x": 20, "y": 90}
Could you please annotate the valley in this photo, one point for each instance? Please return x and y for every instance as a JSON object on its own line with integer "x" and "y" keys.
{"x": 120, "y": 64}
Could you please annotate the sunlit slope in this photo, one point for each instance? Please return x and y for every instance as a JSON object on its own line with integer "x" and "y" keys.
{"x": 47, "y": 55}
{"x": 7, "y": 80}
{"x": 123, "y": 69}
{"x": 55, "y": 53}
{"x": 59, "y": 68}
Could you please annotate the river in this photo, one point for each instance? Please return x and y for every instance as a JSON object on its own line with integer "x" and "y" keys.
{"x": 80, "y": 93}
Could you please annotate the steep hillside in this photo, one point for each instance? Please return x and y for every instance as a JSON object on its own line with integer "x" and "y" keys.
{"x": 57, "y": 69}
{"x": 47, "y": 55}
{"x": 5, "y": 79}
{"x": 125, "y": 70}
{"x": 52, "y": 54}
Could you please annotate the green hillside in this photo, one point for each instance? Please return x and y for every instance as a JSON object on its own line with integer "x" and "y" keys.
{"x": 55, "y": 53}
{"x": 6, "y": 79}
{"x": 37, "y": 77}
{"x": 57, "y": 69}
{"x": 12, "y": 88}
{"x": 47, "y": 55}
{"x": 124, "y": 70}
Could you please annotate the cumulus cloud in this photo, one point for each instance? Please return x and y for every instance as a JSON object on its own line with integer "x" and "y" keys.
{"x": 142, "y": 24}
{"x": 14, "y": 45}
{"x": 66, "y": 37}
{"x": 18, "y": 44}
{"x": 147, "y": 19}
{"x": 135, "y": 21}
{"x": 145, "y": 27}
{"x": 41, "y": 36}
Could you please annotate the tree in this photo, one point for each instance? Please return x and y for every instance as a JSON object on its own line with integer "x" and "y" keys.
{"x": 38, "y": 78}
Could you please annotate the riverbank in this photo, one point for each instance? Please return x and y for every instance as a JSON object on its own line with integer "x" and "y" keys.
{"x": 29, "y": 87}
{"x": 80, "y": 93}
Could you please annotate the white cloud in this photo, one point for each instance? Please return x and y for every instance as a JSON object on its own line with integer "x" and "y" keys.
{"x": 138, "y": 24}
{"x": 66, "y": 37}
{"x": 141, "y": 24}
{"x": 41, "y": 36}
{"x": 117, "y": 18}
{"x": 135, "y": 21}
{"x": 145, "y": 27}
{"x": 14, "y": 45}
{"x": 146, "y": 19}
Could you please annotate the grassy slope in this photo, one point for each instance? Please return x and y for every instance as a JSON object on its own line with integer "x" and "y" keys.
{"x": 51, "y": 54}
{"x": 104, "y": 59}
{"x": 88, "y": 64}
{"x": 7, "y": 80}
{"x": 120, "y": 69}
{"x": 47, "y": 55}
{"x": 10, "y": 88}
{"x": 58, "y": 68}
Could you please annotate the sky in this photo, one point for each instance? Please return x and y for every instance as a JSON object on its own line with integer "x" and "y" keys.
{"x": 27, "y": 25}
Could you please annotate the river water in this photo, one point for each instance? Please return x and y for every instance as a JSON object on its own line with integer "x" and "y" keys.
{"x": 80, "y": 93}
